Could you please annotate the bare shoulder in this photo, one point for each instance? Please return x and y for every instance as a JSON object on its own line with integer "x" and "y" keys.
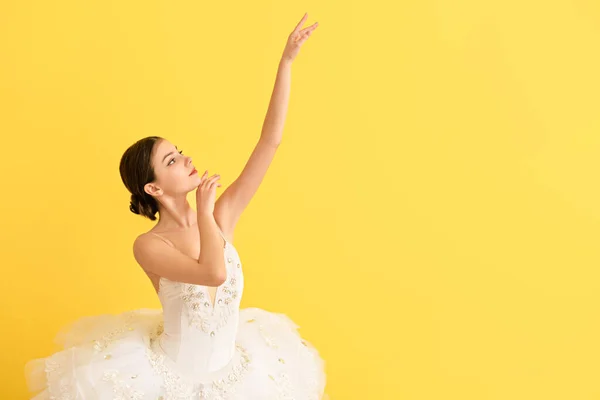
{"x": 140, "y": 246}
{"x": 144, "y": 242}
{"x": 154, "y": 255}
{"x": 151, "y": 236}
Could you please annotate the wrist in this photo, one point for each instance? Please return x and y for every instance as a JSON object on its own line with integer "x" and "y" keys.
{"x": 285, "y": 61}
{"x": 204, "y": 215}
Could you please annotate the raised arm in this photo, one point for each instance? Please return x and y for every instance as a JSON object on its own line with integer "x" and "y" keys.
{"x": 237, "y": 196}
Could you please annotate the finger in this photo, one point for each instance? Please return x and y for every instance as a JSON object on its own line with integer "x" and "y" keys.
{"x": 212, "y": 186}
{"x": 297, "y": 28}
{"x": 206, "y": 179}
{"x": 310, "y": 28}
{"x": 304, "y": 34}
{"x": 210, "y": 181}
{"x": 214, "y": 178}
{"x": 203, "y": 176}
{"x": 303, "y": 39}
{"x": 202, "y": 182}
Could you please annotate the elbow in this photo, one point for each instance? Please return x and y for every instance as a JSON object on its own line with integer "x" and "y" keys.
{"x": 219, "y": 277}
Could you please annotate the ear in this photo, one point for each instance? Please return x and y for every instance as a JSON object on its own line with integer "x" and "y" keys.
{"x": 152, "y": 189}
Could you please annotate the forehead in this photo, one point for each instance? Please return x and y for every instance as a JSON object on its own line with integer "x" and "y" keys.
{"x": 162, "y": 148}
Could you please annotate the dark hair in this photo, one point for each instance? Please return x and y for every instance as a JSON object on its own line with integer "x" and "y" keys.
{"x": 136, "y": 171}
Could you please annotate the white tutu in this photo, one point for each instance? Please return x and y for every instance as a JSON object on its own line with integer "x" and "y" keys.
{"x": 116, "y": 357}
{"x": 194, "y": 348}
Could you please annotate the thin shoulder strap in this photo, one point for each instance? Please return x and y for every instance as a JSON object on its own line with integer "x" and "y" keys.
{"x": 223, "y": 236}
{"x": 171, "y": 243}
{"x": 165, "y": 240}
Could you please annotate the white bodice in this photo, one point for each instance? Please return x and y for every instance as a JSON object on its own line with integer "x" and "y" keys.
{"x": 192, "y": 349}
{"x": 199, "y": 337}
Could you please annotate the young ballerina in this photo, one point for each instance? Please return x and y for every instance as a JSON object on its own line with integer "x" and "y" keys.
{"x": 201, "y": 344}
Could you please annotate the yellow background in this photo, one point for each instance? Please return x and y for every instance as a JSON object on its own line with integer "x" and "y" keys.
{"x": 432, "y": 217}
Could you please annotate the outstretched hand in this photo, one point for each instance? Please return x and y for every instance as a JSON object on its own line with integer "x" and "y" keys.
{"x": 297, "y": 38}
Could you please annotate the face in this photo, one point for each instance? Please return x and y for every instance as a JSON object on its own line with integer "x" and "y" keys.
{"x": 173, "y": 171}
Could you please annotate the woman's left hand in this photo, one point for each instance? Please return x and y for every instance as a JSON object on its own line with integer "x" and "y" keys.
{"x": 297, "y": 38}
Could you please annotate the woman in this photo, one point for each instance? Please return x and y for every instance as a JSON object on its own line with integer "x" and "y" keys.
{"x": 201, "y": 345}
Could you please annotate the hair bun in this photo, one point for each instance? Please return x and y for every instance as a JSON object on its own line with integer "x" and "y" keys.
{"x": 136, "y": 170}
{"x": 134, "y": 204}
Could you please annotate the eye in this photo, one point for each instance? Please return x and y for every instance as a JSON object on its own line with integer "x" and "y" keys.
{"x": 172, "y": 159}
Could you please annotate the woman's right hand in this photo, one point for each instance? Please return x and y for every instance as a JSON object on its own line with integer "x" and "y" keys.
{"x": 205, "y": 194}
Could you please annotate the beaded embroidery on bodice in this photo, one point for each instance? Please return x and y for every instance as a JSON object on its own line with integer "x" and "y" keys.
{"x": 192, "y": 349}
{"x": 198, "y": 336}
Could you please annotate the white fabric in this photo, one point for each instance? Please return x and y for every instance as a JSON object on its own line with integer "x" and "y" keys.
{"x": 188, "y": 350}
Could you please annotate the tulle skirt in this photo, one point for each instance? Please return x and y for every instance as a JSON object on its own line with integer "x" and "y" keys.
{"x": 272, "y": 361}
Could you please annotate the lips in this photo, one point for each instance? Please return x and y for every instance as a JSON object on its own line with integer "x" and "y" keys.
{"x": 193, "y": 172}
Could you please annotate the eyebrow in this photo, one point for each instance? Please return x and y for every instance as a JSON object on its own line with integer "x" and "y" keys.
{"x": 168, "y": 154}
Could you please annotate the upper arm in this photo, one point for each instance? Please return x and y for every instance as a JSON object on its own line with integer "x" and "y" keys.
{"x": 157, "y": 257}
{"x": 225, "y": 223}
{"x": 236, "y": 197}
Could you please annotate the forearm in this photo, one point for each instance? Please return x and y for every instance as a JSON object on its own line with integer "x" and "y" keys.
{"x": 211, "y": 245}
{"x": 272, "y": 129}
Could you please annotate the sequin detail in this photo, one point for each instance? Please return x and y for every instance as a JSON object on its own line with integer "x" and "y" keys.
{"x": 160, "y": 378}
{"x": 177, "y": 387}
{"x": 282, "y": 379}
{"x": 207, "y": 317}
{"x": 55, "y": 371}
{"x": 107, "y": 339}
{"x": 121, "y": 390}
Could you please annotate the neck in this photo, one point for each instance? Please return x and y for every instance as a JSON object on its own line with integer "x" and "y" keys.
{"x": 176, "y": 215}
